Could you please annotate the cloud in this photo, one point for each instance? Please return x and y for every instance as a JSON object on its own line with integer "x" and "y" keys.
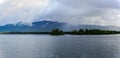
{"x": 13, "y": 11}
{"x": 93, "y": 12}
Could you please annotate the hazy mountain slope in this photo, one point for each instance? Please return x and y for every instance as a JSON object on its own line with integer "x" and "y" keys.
{"x": 46, "y": 26}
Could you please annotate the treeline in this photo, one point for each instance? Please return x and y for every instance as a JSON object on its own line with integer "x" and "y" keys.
{"x": 83, "y": 32}
{"x": 74, "y": 32}
{"x": 24, "y": 32}
{"x": 57, "y": 32}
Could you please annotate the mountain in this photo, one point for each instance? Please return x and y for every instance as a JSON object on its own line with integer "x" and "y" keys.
{"x": 41, "y": 26}
{"x": 47, "y": 26}
{"x": 73, "y": 27}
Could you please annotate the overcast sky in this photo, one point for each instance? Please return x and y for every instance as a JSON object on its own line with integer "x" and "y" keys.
{"x": 88, "y": 12}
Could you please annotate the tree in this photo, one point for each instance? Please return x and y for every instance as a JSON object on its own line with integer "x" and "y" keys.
{"x": 74, "y": 32}
{"x": 57, "y": 32}
{"x": 81, "y": 31}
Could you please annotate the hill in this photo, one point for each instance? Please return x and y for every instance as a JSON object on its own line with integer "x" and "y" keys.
{"x": 47, "y": 26}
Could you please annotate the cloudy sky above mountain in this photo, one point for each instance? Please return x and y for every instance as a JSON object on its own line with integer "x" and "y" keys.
{"x": 93, "y": 12}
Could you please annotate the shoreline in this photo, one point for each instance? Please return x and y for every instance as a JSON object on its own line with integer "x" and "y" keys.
{"x": 49, "y": 33}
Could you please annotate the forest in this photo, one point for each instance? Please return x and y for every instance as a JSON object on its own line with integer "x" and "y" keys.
{"x": 73, "y": 32}
{"x": 83, "y": 32}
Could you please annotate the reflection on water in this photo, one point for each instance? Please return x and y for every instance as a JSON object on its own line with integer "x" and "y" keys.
{"x": 46, "y": 46}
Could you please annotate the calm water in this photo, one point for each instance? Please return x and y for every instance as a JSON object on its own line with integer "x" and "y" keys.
{"x": 46, "y": 46}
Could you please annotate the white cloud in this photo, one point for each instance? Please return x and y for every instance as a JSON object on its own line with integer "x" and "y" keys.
{"x": 13, "y": 11}
{"x": 2, "y": 1}
{"x": 94, "y": 12}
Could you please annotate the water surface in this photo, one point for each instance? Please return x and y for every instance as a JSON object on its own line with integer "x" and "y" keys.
{"x": 67, "y": 46}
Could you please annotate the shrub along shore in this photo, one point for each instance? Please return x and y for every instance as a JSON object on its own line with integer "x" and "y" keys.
{"x": 74, "y": 32}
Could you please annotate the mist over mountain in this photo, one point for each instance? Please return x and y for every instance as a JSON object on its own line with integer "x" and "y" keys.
{"x": 47, "y": 26}
{"x": 84, "y": 12}
{"x": 41, "y": 26}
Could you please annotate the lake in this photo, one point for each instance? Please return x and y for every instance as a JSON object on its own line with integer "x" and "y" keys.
{"x": 66, "y": 46}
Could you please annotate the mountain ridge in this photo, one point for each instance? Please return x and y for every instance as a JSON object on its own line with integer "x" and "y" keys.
{"x": 47, "y": 26}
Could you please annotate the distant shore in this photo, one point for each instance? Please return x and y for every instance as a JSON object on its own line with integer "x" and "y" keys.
{"x": 24, "y": 32}
{"x": 74, "y": 32}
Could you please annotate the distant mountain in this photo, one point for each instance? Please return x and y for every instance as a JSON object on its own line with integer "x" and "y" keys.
{"x": 72, "y": 27}
{"x": 41, "y": 26}
{"x": 47, "y": 26}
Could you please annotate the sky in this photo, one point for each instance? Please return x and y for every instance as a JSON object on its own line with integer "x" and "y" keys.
{"x": 85, "y": 12}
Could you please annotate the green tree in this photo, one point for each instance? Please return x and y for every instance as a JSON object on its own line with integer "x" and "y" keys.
{"x": 74, "y": 32}
{"x": 57, "y": 32}
{"x": 81, "y": 31}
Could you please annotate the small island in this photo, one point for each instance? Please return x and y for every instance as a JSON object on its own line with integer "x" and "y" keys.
{"x": 84, "y": 32}
{"x": 57, "y": 32}
{"x": 74, "y": 32}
